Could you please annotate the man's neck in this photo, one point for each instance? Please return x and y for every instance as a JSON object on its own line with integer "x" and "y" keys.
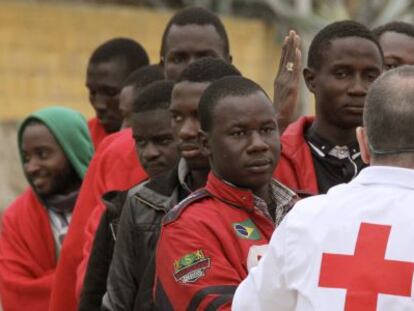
{"x": 198, "y": 178}
{"x": 263, "y": 193}
{"x": 333, "y": 134}
{"x": 62, "y": 202}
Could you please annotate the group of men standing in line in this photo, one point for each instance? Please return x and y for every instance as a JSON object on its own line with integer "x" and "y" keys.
{"x": 191, "y": 189}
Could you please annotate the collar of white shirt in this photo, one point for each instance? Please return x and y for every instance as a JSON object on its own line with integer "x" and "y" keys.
{"x": 386, "y": 175}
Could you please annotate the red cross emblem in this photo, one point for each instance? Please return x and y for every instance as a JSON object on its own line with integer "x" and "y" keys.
{"x": 366, "y": 273}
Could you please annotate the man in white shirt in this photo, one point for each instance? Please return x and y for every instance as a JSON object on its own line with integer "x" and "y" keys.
{"x": 351, "y": 249}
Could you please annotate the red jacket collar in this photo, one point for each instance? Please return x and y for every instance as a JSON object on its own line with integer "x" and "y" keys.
{"x": 242, "y": 198}
{"x": 297, "y": 152}
{"x": 293, "y": 137}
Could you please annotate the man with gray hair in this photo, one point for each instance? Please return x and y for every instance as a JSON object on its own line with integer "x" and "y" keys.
{"x": 351, "y": 248}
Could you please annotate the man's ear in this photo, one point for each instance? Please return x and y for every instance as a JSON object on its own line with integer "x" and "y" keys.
{"x": 161, "y": 64}
{"x": 309, "y": 76}
{"x": 230, "y": 59}
{"x": 363, "y": 145}
{"x": 203, "y": 143}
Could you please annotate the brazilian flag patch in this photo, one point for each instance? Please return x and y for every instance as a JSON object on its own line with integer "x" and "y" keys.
{"x": 246, "y": 230}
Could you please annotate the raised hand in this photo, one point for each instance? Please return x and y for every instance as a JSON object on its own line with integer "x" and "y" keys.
{"x": 286, "y": 84}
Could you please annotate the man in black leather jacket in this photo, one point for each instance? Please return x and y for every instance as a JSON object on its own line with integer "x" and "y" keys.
{"x": 157, "y": 152}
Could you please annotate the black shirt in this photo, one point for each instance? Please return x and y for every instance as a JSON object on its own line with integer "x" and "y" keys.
{"x": 333, "y": 164}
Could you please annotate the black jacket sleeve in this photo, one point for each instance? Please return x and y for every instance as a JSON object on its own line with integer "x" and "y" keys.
{"x": 122, "y": 285}
{"x": 94, "y": 286}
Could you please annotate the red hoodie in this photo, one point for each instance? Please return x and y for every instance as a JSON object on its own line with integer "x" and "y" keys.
{"x": 295, "y": 168}
{"x": 97, "y": 132}
{"x": 27, "y": 255}
{"x": 115, "y": 166}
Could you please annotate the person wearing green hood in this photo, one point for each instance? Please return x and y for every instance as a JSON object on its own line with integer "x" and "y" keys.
{"x": 55, "y": 149}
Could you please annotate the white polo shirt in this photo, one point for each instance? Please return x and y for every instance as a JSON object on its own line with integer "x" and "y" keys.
{"x": 351, "y": 249}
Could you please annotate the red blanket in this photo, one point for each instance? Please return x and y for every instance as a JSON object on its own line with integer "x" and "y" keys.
{"x": 97, "y": 132}
{"x": 113, "y": 167}
{"x": 27, "y": 255}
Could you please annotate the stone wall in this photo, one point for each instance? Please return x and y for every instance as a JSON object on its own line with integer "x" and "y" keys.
{"x": 44, "y": 50}
{"x": 13, "y": 181}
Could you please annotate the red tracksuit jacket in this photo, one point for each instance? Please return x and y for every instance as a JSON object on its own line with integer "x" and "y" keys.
{"x": 207, "y": 244}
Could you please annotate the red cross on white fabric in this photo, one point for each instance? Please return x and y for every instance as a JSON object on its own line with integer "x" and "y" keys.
{"x": 366, "y": 273}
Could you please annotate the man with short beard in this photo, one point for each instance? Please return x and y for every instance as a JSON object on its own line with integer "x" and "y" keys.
{"x": 55, "y": 150}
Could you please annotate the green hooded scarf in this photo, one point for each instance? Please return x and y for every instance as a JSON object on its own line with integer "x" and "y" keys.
{"x": 70, "y": 130}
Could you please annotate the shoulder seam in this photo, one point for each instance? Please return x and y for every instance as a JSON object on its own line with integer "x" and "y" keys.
{"x": 178, "y": 209}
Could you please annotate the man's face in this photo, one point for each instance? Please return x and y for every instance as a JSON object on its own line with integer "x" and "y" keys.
{"x": 398, "y": 49}
{"x": 340, "y": 85}
{"x": 243, "y": 143}
{"x": 154, "y": 140}
{"x": 186, "y": 44}
{"x": 44, "y": 163}
{"x": 126, "y": 104}
{"x": 104, "y": 81}
{"x": 185, "y": 123}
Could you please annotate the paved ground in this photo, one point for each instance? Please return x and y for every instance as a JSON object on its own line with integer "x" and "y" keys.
{"x": 13, "y": 181}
